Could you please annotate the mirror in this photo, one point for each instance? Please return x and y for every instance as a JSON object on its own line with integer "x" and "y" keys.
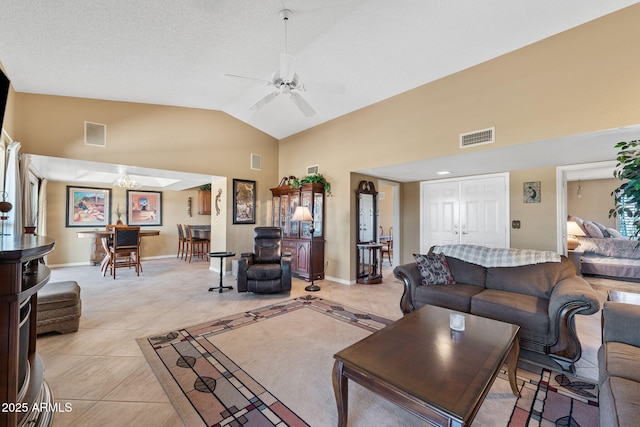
{"x": 366, "y": 218}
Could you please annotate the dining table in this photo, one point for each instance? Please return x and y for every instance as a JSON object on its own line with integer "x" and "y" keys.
{"x": 99, "y": 248}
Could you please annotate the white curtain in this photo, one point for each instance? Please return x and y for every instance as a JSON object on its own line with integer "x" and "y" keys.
{"x": 12, "y": 186}
{"x": 42, "y": 209}
{"x": 28, "y": 218}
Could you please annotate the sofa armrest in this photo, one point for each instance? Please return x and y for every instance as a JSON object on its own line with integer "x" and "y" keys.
{"x": 246, "y": 259}
{"x": 569, "y": 297}
{"x": 411, "y": 279}
{"x": 285, "y": 263}
{"x": 620, "y": 323}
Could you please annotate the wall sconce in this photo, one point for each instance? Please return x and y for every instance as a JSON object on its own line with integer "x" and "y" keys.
{"x": 189, "y": 206}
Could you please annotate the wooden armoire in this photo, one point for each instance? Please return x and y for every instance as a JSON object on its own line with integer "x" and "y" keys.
{"x": 297, "y": 234}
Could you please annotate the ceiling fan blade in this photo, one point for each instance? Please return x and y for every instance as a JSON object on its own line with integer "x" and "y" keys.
{"x": 333, "y": 88}
{"x": 287, "y": 67}
{"x": 264, "y": 101}
{"x": 303, "y": 105}
{"x": 250, "y": 79}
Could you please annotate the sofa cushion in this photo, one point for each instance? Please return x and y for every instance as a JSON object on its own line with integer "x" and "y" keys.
{"x": 526, "y": 311}
{"x": 619, "y": 360}
{"x": 466, "y": 272}
{"x": 455, "y": 297}
{"x": 618, "y": 401}
{"x": 535, "y": 280}
{"x": 264, "y": 272}
{"x": 434, "y": 269}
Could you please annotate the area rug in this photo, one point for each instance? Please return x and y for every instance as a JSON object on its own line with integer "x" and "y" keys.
{"x": 272, "y": 367}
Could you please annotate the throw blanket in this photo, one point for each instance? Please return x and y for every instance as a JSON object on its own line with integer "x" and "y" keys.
{"x": 496, "y": 257}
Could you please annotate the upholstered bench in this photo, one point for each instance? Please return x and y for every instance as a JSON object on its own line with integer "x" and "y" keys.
{"x": 59, "y": 307}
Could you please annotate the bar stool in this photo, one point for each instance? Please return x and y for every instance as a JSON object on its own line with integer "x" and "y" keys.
{"x": 201, "y": 246}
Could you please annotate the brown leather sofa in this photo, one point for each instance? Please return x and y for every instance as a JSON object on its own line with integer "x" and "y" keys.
{"x": 267, "y": 269}
{"x": 619, "y": 365}
{"x": 540, "y": 298}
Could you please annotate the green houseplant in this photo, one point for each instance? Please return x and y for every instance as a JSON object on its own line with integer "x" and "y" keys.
{"x": 316, "y": 178}
{"x": 627, "y": 195}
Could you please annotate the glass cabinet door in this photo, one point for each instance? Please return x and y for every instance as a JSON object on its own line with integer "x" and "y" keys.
{"x": 293, "y": 226}
{"x": 306, "y": 225}
{"x": 318, "y": 209}
{"x": 276, "y": 211}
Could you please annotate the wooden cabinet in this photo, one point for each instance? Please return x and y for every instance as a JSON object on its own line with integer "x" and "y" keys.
{"x": 204, "y": 202}
{"x": 297, "y": 235}
{"x": 21, "y": 370}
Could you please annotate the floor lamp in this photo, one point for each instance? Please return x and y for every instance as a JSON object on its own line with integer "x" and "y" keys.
{"x": 302, "y": 213}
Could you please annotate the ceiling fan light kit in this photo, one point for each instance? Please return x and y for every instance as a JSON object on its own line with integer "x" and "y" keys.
{"x": 284, "y": 80}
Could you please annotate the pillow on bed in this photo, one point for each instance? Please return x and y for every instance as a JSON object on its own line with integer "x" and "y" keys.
{"x": 593, "y": 230}
{"x": 614, "y": 233}
{"x": 580, "y": 223}
{"x": 603, "y": 228}
{"x": 434, "y": 269}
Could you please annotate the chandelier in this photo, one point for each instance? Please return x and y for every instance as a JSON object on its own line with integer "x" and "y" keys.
{"x": 126, "y": 181}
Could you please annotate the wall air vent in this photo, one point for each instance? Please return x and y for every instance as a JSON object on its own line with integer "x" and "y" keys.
{"x": 95, "y": 134}
{"x": 478, "y": 137}
{"x": 312, "y": 170}
{"x": 256, "y": 162}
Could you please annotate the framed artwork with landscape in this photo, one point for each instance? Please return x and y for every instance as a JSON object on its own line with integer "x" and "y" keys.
{"x": 144, "y": 207}
{"x": 244, "y": 201}
{"x": 88, "y": 207}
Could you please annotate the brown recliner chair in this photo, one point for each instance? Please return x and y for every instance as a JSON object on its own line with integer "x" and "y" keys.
{"x": 267, "y": 269}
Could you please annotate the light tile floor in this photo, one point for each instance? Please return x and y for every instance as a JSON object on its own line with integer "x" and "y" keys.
{"x": 101, "y": 371}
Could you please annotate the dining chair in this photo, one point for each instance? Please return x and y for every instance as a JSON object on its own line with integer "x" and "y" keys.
{"x": 181, "y": 242}
{"x": 107, "y": 243}
{"x": 387, "y": 245}
{"x": 194, "y": 244}
{"x": 125, "y": 251}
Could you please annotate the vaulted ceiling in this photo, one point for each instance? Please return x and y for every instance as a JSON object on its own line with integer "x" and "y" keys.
{"x": 177, "y": 53}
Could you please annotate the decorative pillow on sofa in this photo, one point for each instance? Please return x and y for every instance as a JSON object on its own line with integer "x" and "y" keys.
{"x": 434, "y": 269}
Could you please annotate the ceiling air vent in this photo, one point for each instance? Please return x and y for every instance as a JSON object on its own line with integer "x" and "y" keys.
{"x": 478, "y": 137}
{"x": 95, "y": 134}
{"x": 256, "y": 162}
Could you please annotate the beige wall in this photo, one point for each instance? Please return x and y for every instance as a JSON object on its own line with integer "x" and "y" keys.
{"x": 579, "y": 81}
{"x": 596, "y": 200}
{"x": 161, "y": 137}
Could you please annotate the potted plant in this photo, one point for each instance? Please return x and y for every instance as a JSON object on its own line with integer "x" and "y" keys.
{"x": 315, "y": 178}
{"x": 627, "y": 195}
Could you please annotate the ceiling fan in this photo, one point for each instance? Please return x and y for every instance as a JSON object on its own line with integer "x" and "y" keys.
{"x": 285, "y": 80}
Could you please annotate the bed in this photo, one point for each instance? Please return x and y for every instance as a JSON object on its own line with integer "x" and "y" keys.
{"x": 606, "y": 253}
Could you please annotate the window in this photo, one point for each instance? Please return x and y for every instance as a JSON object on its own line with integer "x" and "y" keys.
{"x": 625, "y": 222}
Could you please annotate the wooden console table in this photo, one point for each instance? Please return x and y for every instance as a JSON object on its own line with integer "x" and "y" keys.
{"x": 370, "y": 268}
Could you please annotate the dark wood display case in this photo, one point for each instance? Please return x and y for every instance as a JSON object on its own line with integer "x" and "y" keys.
{"x": 297, "y": 234}
{"x": 22, "y": 384}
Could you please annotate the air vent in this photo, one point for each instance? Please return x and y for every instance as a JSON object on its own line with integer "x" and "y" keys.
{"x": 312, "y": 170}
{"x": 256, "y": 162}
{"x": 478, "y": 137}
{"x": 95, "y": 134}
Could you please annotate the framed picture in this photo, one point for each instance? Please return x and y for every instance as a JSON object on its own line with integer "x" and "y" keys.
{"x": 144, "y": 207}
{"x": 88, "y": 207}
{"x": 244, "y": 202}
{"x": 531, "y": 192}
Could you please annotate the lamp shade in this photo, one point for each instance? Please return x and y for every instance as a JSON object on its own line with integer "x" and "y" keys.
{"x": 573, "y": 229}
{"x": 302, "y": 213}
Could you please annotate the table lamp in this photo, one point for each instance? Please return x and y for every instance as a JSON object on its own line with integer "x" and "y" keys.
{"x": 302, "y": 213}
{"x": 573, "y": 231}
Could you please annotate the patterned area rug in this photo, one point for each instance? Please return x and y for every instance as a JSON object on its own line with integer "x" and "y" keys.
{"x": 210, "y": 371}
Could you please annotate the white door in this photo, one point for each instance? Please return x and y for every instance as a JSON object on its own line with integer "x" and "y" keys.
{"x": 470, "y": 210}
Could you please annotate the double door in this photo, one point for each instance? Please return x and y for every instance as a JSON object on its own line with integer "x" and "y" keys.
{"x": 471, "y": 210}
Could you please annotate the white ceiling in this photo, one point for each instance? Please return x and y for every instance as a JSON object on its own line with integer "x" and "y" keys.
{"x": 163, "y": 52}
{"x": 176, "y": 53}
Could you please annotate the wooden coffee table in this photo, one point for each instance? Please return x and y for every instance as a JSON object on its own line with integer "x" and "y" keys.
{"x": 419, "y": 363}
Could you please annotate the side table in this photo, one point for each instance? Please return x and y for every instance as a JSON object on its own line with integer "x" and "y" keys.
{"x": 222, "y": 256}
